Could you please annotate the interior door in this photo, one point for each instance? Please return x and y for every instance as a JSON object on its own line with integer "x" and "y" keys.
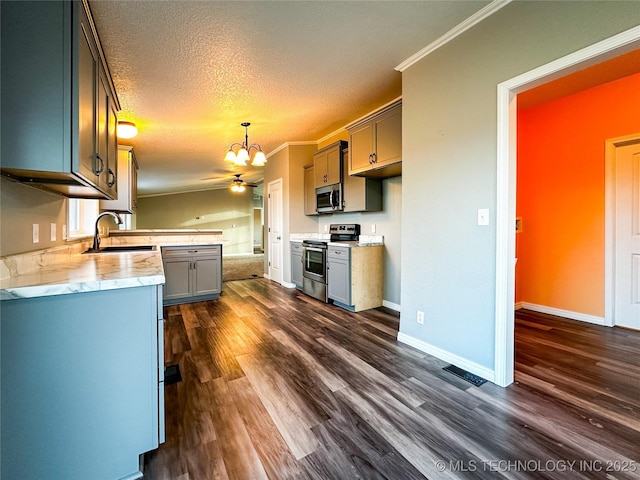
{"x": 275, "y": 230}
{"x": 627, "y": 236}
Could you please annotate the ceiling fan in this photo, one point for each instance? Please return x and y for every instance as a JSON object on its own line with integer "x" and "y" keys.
{"x": 238, "y": 185}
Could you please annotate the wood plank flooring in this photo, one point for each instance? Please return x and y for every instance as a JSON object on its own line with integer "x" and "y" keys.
{"x": 277, "y": 385}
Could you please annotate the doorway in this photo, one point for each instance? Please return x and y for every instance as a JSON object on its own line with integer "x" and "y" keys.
{"x": 506, "y": 182}
{"x": 622, "y": 275}
{"x": 275, "y": 230}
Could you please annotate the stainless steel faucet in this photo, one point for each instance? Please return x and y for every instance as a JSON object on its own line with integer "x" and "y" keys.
{"x": 96, "y": 237}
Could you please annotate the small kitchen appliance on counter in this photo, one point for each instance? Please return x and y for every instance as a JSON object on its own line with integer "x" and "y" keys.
{"x": 314, "y": 259}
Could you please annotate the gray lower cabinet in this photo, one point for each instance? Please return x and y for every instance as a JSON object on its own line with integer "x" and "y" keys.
{"x": 82, "y": 383}
{"x": 339, "y": 274}
{"x": 192, "y": 273}
{"x": 355, "y": 276}
{"x": 296, "y": 264}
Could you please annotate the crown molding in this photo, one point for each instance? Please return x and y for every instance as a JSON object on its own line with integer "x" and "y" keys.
{"x": 289, "y": 144}
{"x": 459, "y": 29}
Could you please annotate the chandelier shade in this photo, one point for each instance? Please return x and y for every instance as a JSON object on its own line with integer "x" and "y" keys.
{"x": 242, "y": 153}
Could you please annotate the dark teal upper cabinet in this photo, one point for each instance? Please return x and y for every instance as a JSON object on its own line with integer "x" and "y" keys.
{"x": 58, "y": 101}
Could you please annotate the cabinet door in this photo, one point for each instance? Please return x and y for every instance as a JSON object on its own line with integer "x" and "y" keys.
{"x": 206, "y": 275}
{"x": 388, "y": 136}
{"x": 102, "y": 127}
{"x": 126, "y": 176}
{"x": 177, "y": 273}
{"x": 320, "y": 169}
{"x": 112, "y": 150}
{"x": 309, "y": 190}
{"x": 334, "y": 165}
{"x": 361, "y": 148}
{"x": 339, "y": 280}
{"x": 296, "y": 264}
{"x": 88, "y": 165}
{"x": 133, "y": 182}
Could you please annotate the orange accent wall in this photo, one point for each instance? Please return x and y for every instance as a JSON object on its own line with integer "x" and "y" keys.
{"x": 560, "y": 194}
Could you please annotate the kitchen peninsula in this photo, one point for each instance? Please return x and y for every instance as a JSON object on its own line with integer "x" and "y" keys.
{"x": 85, "y": 332}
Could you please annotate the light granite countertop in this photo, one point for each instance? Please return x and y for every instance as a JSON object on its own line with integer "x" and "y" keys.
{"x": 157, "y": 231}
{"x": 85, "y": 273}
{"x": 64, "y": 270}
{"x": 363, "y": 240}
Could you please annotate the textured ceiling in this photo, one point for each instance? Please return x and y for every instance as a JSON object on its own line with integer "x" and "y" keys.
{"x": 188, "y": 73}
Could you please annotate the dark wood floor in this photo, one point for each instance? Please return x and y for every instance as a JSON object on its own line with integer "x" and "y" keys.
{"x": 277, "y": 385}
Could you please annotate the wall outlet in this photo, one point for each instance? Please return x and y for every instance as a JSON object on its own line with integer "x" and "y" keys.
{"x": 326, "y": 228}
{"x": 53, "y": 232}
{"x": 64, "y": 232}
{"x": 373, "y": 228}
{"x": 420, "y": 317}
{"x": 36, "y": 233}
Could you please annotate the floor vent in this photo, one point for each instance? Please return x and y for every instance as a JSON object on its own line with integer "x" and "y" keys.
{"x": 172, "y": 375}
{"x": 466, "y": 376}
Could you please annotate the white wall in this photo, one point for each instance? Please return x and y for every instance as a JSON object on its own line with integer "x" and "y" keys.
{"x": 449, "y": 163}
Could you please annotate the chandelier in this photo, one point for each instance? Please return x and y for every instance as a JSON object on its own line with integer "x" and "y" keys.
{"x": 242, "y": 155}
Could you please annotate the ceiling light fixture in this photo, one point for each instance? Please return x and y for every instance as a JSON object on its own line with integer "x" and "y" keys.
{"x": 127, "y": 129}
{"x": 238, "y": 185}
{"x": 242, "y": 156}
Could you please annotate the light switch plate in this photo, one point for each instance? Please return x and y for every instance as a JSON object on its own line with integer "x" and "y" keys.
{"x": 483, "y": 216}
{"x": 373, "y": 228}
{"x": 36, "y": 232}
{"x": 53, "y": 232}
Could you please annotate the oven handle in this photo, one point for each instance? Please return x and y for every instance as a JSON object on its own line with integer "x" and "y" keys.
{"x": 313, "y": 249}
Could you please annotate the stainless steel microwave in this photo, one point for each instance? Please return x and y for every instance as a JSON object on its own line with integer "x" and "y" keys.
{"x": 329, "y": 198}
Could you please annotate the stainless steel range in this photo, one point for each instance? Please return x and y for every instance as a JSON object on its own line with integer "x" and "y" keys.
{"x": 314, "y": 259}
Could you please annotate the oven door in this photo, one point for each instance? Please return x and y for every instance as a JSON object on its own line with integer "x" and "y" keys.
{"x": 314, "y": 263}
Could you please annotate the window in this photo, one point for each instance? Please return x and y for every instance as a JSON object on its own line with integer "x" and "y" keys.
{"x": 82, "y": 214}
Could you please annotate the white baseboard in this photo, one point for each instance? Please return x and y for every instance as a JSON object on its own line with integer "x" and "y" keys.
{"x": 582, "y": 317}
{"x": 391, "y": 305}
{"x": 266, "y": 275}
{"x": 288, "y": 285}
{"x": 452, "y": 358}
{"x": 518, "y": 305}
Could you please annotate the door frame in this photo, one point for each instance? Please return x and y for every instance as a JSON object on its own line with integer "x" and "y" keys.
{"x": 610, "y": 178}
{"x": 506, "y": 181}
{"x": 269, "y": 218}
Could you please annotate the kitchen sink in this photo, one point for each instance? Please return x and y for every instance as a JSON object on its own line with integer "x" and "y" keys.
{"x": 123, "y": 248}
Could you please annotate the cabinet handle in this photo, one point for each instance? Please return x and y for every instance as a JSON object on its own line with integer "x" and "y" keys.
{"x": 370, "y": 158}
{"x": 375, "y": 158}
{"x": 97, "y": 170}
{"x": 193, "y": 251}
{"x": 112, "y": 177}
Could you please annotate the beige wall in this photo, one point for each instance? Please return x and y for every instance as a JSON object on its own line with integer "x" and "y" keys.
{"x": 22, "y": 206}
{"x": 449, "y": 143}
{"x": 208, "y": 209}
{"x": 287, "y": 164}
